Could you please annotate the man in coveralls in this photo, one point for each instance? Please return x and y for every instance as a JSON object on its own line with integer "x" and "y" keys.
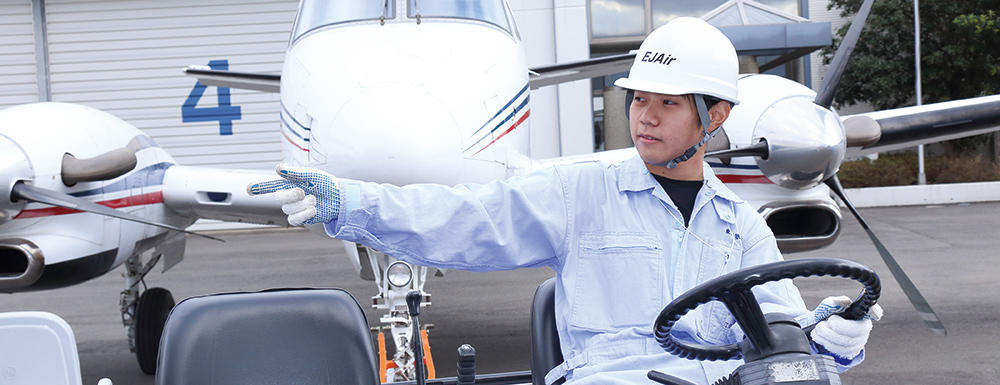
{"x": 624, "y": 239}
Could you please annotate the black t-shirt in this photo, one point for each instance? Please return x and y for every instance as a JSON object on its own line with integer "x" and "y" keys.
{"x": 682, "y": 192}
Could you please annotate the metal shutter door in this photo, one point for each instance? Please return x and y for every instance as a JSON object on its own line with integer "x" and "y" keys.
{"x": 125, "y": 57}
{"x": 18, "y": 83}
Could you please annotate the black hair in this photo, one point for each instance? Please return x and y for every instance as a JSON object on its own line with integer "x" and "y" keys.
{"x": 710, "y": 101}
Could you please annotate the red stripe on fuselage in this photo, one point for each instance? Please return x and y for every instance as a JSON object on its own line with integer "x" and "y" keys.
{"x": 517, "y": 123}
{"x": 291, "y": 141}
{"x": 744, "y": 179}
{"x": 136, "y": 200}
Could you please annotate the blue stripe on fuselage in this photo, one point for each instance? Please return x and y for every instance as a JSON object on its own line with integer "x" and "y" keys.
{"x": 519, "y": 93}
{"x": 281, "y": 116}
{"x": 293, "y": 118}
{"x": 508, "y": 118}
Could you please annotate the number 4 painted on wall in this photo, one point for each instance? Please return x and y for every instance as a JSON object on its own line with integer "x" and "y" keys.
{"x": 224, "y": 113}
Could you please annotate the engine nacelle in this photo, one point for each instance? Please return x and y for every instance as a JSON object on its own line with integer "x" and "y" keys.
{"x": 80, "y": 153}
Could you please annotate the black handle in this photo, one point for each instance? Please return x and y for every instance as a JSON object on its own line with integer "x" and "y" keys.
{"x": 667, "y": 379}
{"x": 466, "y": 365}
{"x": 413, "y": 302}
{"x": 413, "y": 305}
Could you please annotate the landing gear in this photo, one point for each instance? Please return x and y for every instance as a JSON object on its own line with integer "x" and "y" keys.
{"x": 151, "y": 314}
{"x": 144, "y": 315}
{"x": 395, "y": 279}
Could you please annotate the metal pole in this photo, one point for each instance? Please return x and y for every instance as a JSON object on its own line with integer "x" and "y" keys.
{"x": 921, "y": 176}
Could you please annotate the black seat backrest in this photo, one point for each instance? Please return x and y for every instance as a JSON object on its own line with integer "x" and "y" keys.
{"x": 545, "y": 350}
{"x": 298, "y": 336}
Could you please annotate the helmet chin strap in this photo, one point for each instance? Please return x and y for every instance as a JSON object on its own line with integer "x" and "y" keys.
{"x": 699, "y": 102}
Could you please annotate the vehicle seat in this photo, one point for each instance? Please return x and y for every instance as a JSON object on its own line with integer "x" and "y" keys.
{"x": 545, "y": 350}
{"x": 285, "y": 336}
{"x": 38, "y": 348}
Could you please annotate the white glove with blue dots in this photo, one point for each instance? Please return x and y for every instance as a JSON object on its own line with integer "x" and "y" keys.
{"x": 308, "y": 195}
{"x": 842, "y": 337}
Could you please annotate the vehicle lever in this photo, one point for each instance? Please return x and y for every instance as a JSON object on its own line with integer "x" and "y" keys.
{"x": 413, "y": 305}
{"x": 667, "y": 379}
{"x": 466, "y": 365}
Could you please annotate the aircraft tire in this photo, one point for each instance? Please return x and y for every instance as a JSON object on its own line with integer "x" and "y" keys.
{"x": 151, "y": 314}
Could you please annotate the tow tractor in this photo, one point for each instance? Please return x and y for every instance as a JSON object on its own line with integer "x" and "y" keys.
{"x": 321, "y": 336}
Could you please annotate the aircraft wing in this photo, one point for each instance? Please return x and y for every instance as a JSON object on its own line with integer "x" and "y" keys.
{"x": 911, "y": 126}
{"x": 539, "y": 76}
{"x": 584, "y": 69}
{"x": 217, "y": 193}
{"x": 243, "y": 80}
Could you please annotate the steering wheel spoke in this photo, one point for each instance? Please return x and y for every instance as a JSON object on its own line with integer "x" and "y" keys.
{"x": 745, "y": 309}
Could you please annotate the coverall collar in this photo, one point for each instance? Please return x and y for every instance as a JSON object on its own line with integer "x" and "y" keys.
{"x": 634, "y": 176}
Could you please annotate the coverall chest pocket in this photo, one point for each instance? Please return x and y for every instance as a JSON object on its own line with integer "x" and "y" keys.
{"x": 719, "y": 255}
{"x": 619, "y": 281}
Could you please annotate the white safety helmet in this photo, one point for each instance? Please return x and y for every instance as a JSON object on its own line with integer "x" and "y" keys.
{"x": 685, "y": 56}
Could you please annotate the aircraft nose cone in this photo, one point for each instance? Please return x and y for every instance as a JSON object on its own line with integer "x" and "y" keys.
{"x": 392, "y": 134}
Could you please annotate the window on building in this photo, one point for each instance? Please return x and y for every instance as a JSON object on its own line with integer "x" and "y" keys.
{"x": 788, "y": 6}
{"x": 666, "y": 10}
{"x": 617, "y": 18}
{"x": 618, "y": 22}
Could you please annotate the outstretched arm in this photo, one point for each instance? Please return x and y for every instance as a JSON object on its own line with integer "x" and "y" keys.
{"x": 519, "y": 222}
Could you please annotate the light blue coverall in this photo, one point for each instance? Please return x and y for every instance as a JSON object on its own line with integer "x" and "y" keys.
{"x": 617, "y": 243}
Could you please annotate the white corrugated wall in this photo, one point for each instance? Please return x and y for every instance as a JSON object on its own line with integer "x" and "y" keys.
{"x": 819, "y": 13}
{"x": 125, "y": 57}
{"x": 18, "y": 83}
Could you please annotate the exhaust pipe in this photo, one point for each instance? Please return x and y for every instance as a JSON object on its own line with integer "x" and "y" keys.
{"x": 21, "y": 264}
{"x": 802, "y": 225}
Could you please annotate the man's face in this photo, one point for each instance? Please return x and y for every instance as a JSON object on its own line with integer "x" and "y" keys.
{"x": 663, "y": 126}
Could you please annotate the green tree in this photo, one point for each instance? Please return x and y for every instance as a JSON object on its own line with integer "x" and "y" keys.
{"x": 960, "y": 57}
{"x": 959, "y": 43}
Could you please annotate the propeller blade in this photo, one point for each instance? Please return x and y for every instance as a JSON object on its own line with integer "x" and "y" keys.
{"x": 836, "y": 69}
{"x": 41, "y": 195}
{"x": 760, "y": 150}
{"x": 919, "y": 302}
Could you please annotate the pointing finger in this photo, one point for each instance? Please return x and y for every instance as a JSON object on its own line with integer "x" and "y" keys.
{"x": 305, "y": 177}
{"x": 268, "y": 187}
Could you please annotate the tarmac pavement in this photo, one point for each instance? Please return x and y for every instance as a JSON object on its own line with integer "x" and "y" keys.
{"x": 950, "y": 252}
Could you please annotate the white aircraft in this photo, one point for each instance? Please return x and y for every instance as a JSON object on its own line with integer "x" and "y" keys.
{"x": 384, "y": 92}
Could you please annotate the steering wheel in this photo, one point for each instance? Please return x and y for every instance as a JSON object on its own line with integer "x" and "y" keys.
{"x": 733, "y": 290}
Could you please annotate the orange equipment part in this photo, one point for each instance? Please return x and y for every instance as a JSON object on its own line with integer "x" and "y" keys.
{"x": 428, "y": 359}
{"x": 382, "y": 363}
